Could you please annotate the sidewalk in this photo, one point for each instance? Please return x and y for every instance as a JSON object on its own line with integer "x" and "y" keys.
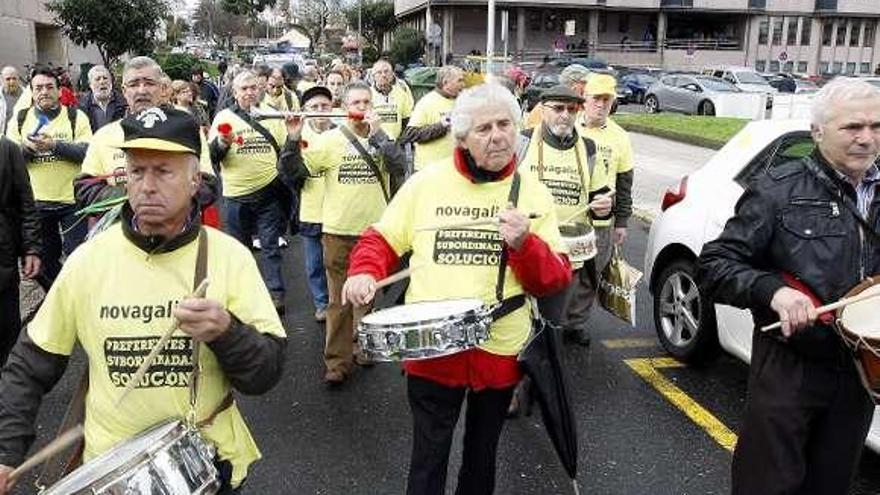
{"x": 660, "y": 164}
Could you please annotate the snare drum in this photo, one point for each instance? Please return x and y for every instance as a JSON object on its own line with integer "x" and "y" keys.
{"x": 580, "y": 238}
{"x": 859, "y": 325}
{"x": 170, "y": 458}
{"x": 424, "y": 330}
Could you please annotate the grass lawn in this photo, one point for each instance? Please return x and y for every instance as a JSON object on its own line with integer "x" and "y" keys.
{"x": 710, "y": 132}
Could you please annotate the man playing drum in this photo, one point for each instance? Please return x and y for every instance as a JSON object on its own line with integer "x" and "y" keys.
{"x": 564, "y": 162}
{"x": 478, "y": 182}
{"x": 120, "y": 291}
{"x": 803, "y": 234}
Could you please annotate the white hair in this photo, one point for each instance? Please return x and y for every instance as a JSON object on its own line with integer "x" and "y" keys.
{"x": 138, "y": 63}
{"x": 473, "y": 101}
{"x": 839, "y": 89}
{"x": 241, "y": 77}
{"x": 93, "y": 72}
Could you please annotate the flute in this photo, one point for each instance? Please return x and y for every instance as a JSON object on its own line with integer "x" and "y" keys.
{"x": 261, "y": 114}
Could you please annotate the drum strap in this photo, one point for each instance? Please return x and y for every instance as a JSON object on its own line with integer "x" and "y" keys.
{"x": 513, "y": 199}
{"x": 201, "y": 273}
{"x": 368, "y": 158}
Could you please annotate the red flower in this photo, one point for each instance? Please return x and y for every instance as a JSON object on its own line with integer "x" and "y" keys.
{"x": 224, "y": 128}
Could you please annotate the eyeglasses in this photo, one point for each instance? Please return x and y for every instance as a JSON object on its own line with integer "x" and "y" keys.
{"x": 559, "y": 108}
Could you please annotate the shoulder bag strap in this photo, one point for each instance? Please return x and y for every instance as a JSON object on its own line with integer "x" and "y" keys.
{"x": 258, "y": 127}
{"x": 512, "y": 198}
{"x": 367, "y": 158}
{"x": 201, "y": 273}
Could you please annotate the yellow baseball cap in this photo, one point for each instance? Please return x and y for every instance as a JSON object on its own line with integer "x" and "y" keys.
{"x": 601, "y": 84}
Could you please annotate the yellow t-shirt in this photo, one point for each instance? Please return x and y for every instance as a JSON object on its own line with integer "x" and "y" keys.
{"x": 105, "y": 157}
{"x": 52, "y": 176}
{"x": 311, "y": 200}
{"x": 613, "y": 152}
{"x": 398, "y": 101}
{"x": 431, "y": 109}
{"x": 463, "y": 262}
{"x": 251, "y": 166}
{"x": 280, "y": 102}
{"x": 25, "y": 100}
{"x": 303, "y": 85}
{"x": 534, "y": 118}
{"x": 353, "y": 197}
{"x": 95, "y": 302}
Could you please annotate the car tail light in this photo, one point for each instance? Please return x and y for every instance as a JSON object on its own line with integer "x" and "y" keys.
{"x": 674, "y": 197}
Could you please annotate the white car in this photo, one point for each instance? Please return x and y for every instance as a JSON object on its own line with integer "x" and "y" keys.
{"x": 689, "y": 327}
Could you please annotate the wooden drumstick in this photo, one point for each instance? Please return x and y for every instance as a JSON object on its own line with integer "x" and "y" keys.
{"x": 868, "y": 294}
{"x": 63, "y": 441}
{"x": 142, "y": 370}
{"x": 402, "y": 274}
{"x": 470, "y": 223}
{"x": 580, "y": 211}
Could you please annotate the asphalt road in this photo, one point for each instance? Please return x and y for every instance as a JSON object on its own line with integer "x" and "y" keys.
{"x": 632, "y": 440}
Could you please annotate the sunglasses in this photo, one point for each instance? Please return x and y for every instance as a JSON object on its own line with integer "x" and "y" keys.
{"x": 559, "y": 108}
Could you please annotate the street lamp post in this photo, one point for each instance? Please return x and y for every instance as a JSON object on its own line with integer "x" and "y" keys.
{"x": 360, "y": 38}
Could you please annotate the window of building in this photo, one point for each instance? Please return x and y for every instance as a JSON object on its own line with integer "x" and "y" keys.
{"x": 850, "y": 67}
{"x": 777, "y": 30}
{"x": 837, "y": 68}
{"x": 788, "y": 66}
{"x": 792, "y": 30}
{"x": 551, "y": 23}
{"x": 534, "y": 21}
{"x": 841, "y": 34}
{"x": 603, "y": 21}
{"x": 806, "y": 29}
{"x": 760, "y": 65}
{"x": 802, "y": 67}
{"x": 774, "y": 66}
{"x": 827, "y": 32}
{"x": 855, "y": 32}
{"x": 623, "y": 23}
{"x": 870, "y": 25}
{"x": 763, "y": 31}
{"x": 823, "y": 67}
{"x": 865, "y": 68}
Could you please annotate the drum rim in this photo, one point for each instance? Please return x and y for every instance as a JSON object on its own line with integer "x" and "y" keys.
{"x": 177, "y": 431}
{"x": 482, "y": 310}
{"x": 864, "y": 285}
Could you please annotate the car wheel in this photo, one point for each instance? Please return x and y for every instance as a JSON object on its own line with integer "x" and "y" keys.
{"x": 707, "y": 108}
{"x": 651, "y": 104}
{"x": 683, "y": 318}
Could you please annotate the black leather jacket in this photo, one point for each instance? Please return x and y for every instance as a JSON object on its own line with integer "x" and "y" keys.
{"x": 19, "y": 223}
{"x": 793, "y": 219}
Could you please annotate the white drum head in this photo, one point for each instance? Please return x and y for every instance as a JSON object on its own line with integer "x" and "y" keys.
{"x": 421, "y": 311}
{"x": 863, "y": 318}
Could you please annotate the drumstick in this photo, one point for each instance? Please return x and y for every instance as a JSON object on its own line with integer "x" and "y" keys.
{"x": 831, "y": 307}
{"x": 471, "y": 223}
{"x": 142, "y": 370}
{"x": 609, "y": 194}
{"x": 63, "y": 441}
{"x": 402, "y": 274}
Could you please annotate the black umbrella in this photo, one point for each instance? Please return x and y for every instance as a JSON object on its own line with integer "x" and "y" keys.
{"x": 541, "y": 362}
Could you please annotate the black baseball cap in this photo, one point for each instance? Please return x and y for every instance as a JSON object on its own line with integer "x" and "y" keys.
{"x": 315, "y": 91}
{"x": 163, "y": 129}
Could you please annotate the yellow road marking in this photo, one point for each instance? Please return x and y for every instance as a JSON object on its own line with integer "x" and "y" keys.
{"x": 647, "y": 369}
{"x": 629, "y": 343}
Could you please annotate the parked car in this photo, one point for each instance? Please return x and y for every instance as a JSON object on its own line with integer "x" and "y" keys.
{"x": 788, "y": 83}
{"x": 693, "y": 94}
{"x": 689, "y": 326}
{"x": 872, "y": 80}
{"x": 540, "y": 81}
{"x": 638, "y": 84}
{"x": 744, "y": 78}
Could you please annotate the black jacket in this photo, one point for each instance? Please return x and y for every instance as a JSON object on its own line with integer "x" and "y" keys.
{"x": 252, "y": 361}
{"x": 793, "y": 219}
{"x": 19, "y": 223}
{"x": 98, "y": 118}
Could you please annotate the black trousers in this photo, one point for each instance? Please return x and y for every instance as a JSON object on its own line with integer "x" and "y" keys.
{"x": 10, "y": 318}
{"x": 805, "y": 426}
{"x": 435, "y": 409}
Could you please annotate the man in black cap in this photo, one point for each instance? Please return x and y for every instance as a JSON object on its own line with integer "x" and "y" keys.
{"x": 120, "y": 292}
{"x": 564, "y": 162}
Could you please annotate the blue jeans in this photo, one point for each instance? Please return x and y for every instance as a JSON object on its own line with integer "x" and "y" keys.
{"x": 313, "y": 251}
{"x": 62, "y": 232}
{"x": 266, "y": 218}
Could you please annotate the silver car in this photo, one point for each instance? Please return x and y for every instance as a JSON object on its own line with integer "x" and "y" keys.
{"x": 687, "y": 93}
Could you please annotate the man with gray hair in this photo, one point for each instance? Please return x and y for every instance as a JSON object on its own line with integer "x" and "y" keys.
{"x": 429, "y": 123}
{"x": 103, "y": 168}
{"x": 103, "y": 103}
{"x": 574, "y": 77}
{"x": 804, "y": 233}
{"x": 14, "y": 95}
{"x": 257, "y": 202}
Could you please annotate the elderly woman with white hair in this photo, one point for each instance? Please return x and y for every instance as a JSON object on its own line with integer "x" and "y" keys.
{"x": 804, "y": 233}
{"x": 523, "y": 255}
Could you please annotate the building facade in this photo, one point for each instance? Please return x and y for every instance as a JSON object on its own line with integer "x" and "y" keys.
{"x": 28, "y": 36}
{"x": 798, "y": 36}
